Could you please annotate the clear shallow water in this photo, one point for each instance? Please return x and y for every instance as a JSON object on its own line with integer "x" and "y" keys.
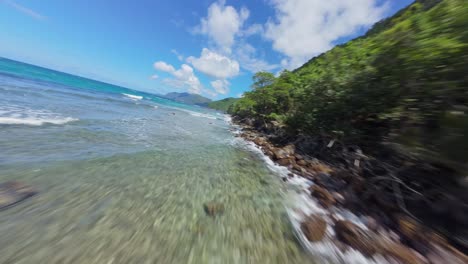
{"x": 124, "y": 179}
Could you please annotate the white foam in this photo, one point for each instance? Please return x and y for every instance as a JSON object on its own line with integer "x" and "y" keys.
{"x": 133, "y": 97}
{"x": 17, "y": 115}
{"x": 300, "y": 204}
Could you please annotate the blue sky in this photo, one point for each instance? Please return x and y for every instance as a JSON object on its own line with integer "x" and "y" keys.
{"x": 210, "y": 47}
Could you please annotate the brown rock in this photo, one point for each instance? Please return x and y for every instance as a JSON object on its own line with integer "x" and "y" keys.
{"x": 14, "y": 192}
{"x": 284, "y": 162}
{"x": 338, "y": 198}
{"x": 213, "y": 208}
{"x": 290, "y": 149}
{"x": 355, "y": 237}
{"x": 399, "y": 252}
{"x": 279, "y": 153}
{"x": 260, "y": 141}
{"x": 323, "y": 196}
{"x": 314, "y": 228}
{"x": 301, "y": 162}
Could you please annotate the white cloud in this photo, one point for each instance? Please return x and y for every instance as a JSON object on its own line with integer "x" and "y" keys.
{"x": 24, "y": 10}
{"x": 215, "y": 65}
{"x": 221, "y": 86}
{"x": 305, "y": 28}
{"x": 222, "y": 24}
{"x": 183, "y": 77}
{"x": 252, "y": 30}
{"x": 246, "y": 54}
{"x": 154, "y": 77}
{"x": 162, "y": 66}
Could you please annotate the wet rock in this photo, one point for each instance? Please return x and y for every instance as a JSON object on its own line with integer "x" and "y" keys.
{"x": 399, "y": 252}
{"x": 14, "y": 192}
{"x": 213, "y": 208}
{"x": 316, "y": 167}
{"x": 301, "y": 162}
{"x": 284, "y": 162}
{"x": 355, "y": 237}
{"x": 260, "y": 141}
{"x": 289, "y": 149}
{"x": 314, "y": 228}
{"x": 279, "y": 154}
{"x": 324, "y": 197}
{"x": 338, "y": 198}
{"x": 371, "y": 223}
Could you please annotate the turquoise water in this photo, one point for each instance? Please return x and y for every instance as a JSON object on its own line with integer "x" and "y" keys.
{"x": 123, "y": 176}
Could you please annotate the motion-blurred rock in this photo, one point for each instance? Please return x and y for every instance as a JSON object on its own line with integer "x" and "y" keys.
{"x": 13, "y": 192}
{"x": 324, "y": 197}
{"x": 314, "y": 228}
{"x": 355, "y": 237}
{"x": 213, "y": 208}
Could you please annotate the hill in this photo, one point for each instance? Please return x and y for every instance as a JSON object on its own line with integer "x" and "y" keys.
{"x": 188, "y": 98}
{"x": 223, "y": 105}
{"x": 404, "y": 82}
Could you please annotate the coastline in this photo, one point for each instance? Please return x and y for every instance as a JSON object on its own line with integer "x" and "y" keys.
{"x": 326, "y": 219}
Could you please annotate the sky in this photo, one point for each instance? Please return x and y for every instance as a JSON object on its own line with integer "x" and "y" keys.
{"x": 208, "y": 47}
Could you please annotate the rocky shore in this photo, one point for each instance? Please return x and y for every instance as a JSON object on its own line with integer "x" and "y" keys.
{"x": 388, "y": 229}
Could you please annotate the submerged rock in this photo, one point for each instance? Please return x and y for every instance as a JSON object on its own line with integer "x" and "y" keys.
{"x": 14, "y": 192}
{"x": 314, "y": 228}
{"x": 213, "y": 208}
{"x": 355, "y": 237}
{"x": 324, "y": 197}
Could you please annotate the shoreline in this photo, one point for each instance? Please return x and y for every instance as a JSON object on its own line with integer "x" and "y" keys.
{"x": 329, "y": 225}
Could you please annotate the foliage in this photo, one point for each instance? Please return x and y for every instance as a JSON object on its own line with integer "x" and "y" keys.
{"x": 405, "y": 82}
{"x": 223, "y": 105}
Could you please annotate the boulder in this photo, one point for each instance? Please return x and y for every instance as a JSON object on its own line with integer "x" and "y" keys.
{"x": 324, "y": 197}
{"x": 213, "y": 208}
{"x": 280, "y": 153}
{"x": 355, "y": 237}
{"x": 260, "y": 141}
{"x": 284, "y": 162}
{"x": 14, "y": 192}
{"x": 314, "y": 228}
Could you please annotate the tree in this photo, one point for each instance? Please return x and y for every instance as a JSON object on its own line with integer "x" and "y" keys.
{"x": 262, "y": 80}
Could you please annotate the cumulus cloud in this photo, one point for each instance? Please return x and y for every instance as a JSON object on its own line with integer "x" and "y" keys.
{"x": 221, "y": 86}
{"x": 222, "y": 23}
{"x": 183, "y": 77}
{"x": 154, "y": 77}
{"x": 162, "y": 66}
{"x": 305, "y": 28}
{"x": 215, "y": 65}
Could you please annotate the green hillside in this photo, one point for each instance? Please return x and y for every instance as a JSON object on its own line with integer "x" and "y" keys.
{"x": 404, "y": 82}
{"x": 223, "y": 105}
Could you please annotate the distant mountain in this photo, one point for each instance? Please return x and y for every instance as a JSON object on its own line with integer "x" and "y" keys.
{"x": 188, "y": 98}
{"x": 223, "y": 105}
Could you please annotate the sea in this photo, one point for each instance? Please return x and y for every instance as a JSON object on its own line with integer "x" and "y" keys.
{"x": 123, "y": 176}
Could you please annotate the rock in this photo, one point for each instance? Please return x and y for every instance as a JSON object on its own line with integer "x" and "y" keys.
{"x": 299, "y": 157}
{"x": 338, "y": 198}
{"x": 213, "y": 208}
{"x": 284, "y": 162}
{"x": 260, "y": 141}
{"x": 315, "y": 167}
{"x": 399, "y": 252}
{"x": 355, "y": 237}
{"x": 314, "y": 228}
{"x": 14, "y": 192}
{"x": 279, "y": 154}
{"x": 290, "y": 149}
{"x": 328, "y": 182}
{"x": 370, "y": 222}
{"x": 323, "y": 196}
{"x": 301, "y": 162}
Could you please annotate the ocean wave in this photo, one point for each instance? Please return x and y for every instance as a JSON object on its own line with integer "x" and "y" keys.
{"x": 133, "y": 97}
{"x": 17, "y": 115}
